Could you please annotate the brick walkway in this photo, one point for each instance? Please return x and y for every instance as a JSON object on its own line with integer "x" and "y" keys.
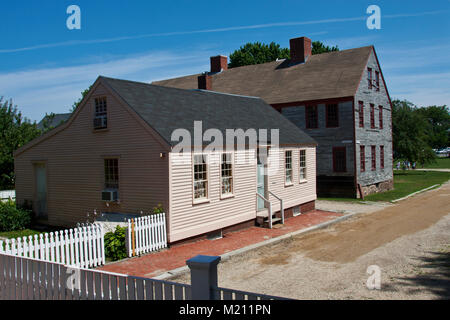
{"x": 153, "y": 264}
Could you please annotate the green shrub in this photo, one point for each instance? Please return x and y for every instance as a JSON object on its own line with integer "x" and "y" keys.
{"x": 115, "y": 248}
{"x": 158, "y": 209}
{"x": 13, "y": 218}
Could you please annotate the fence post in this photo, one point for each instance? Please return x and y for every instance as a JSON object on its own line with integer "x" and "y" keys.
{"x": 203, "y": 277}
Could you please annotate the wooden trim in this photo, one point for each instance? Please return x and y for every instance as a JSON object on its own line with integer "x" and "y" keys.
{"x": 279, "y": 106}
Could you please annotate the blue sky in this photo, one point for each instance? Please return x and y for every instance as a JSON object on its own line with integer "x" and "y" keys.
{"x": 44, "y": 66}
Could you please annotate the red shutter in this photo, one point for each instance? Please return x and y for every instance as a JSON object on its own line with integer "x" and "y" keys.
{"x": 372, "y": 116}
{"x": 382, "y": 157}
{"x": 381, "y": 116}
{"x": 362, "y": 158}
{"x": 374, "y": 159}
{"x": 361, "y": 114}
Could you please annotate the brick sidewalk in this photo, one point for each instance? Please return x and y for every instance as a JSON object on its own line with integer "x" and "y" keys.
{"x": 154, "y": 264}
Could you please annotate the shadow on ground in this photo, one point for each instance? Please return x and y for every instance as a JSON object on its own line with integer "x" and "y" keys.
{"x": 433, "y": 274}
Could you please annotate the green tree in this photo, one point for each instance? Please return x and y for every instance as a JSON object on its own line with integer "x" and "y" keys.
{"x": 77, "y": 103}
{"x": 257, "y": 53}
{"x": 15, "y": 131}
{"x": 438, "y": 129}
{"x": 409, "y": 134}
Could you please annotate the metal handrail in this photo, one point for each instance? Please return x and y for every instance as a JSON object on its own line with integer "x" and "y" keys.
{"x": 281, "y": 205}
{"x": 270, "y": 209}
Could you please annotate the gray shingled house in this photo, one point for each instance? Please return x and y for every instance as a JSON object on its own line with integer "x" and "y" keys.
{"x": 116, "y": 154}
{"x": 338, "y": 98}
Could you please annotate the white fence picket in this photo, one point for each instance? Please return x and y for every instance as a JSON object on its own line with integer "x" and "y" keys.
{"x": 82, "y": 247}
{"x": 149, "y": 234}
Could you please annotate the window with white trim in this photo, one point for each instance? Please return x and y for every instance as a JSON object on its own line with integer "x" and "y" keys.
{"x": 227, "y": 174}
{"x": 288, "y": 166}
{"x": 200, "y": 177}
{"x": 302, "y": 170}
{"x": 100, "y": 117}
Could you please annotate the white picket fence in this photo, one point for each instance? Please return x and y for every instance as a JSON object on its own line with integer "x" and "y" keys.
{"x": 147, "y": 234}
{"x": 6, "y": 195}
{"x": 81, "y": 247}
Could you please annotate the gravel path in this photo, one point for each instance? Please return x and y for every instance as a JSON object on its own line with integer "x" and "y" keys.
{"x": 409, "y": 241}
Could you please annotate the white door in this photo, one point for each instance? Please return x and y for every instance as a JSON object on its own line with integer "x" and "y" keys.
{"x": 262, "y": 183}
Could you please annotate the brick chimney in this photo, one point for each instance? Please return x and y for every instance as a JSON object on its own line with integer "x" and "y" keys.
{"x": 205, "y": 81}
{"x": 300, "y": 49}
{"x": 219, "y": 63}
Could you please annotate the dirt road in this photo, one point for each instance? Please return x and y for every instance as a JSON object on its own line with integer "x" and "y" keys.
{"x": 409, "y": 241}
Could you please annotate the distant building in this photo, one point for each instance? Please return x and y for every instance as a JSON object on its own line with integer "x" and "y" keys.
{"x": 338, "y": 98}
{"x": 53, "y": 120}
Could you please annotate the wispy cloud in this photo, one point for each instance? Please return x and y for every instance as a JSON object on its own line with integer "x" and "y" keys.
{"x": 224, "y": 29}
{"x": 55, "y": 89}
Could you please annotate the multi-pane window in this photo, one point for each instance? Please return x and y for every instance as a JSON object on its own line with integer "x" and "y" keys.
{"x": 111, "y": 173}
{"x": 332, "y": 116}
{"x": 302, "y": 170}
{"x": 227, "y": 173}
{"x": 362, "y": 158}
{"x": 361, "y": 114}
{"x": 372, "y": 116}
{"x": 200, "y": 177}
{"x": 382, "y": 157}
{"x": 374, "y": 158}
{"x": 100, "y": 118}
{"x": 311, "y": 117}
{"x": 377, "y": 80}
{"x": 380, "y": 115}
{"x": 339, "y": 159}
{"x": 288, "y": 166}
{"x": 369, "y": 77}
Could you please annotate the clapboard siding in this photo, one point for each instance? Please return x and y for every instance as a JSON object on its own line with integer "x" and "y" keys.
{"x": 74, "y": 159}
{"x": 327, "y": 138}
{"x": 298, "y": 192}
{"x": 367, "y": 136}
{"x": 188, "y": 219}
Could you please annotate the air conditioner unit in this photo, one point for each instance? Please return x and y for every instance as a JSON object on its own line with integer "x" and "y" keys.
{"x": 100, "y": 122}
{"x": 110, "y": 195}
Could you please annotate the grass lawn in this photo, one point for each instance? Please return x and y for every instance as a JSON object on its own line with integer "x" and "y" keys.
{"x": 407, "y": 182}
{"x": 441, "y": 163}
{"x": 19, "y": 233}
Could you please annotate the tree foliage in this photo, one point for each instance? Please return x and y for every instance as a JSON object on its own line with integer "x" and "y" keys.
{"x": 77, "y": 103}
{"x": 257, "y": 53}
{"x": 438, "y": 125}
{"x": 410, "y": 133}
{"x": 15, "y": 131}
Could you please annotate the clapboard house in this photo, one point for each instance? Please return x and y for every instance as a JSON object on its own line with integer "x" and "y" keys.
{"x": 338, "y": 98}
{"x": 117, "y": 154}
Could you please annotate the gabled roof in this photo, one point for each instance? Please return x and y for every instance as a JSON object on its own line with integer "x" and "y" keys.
{"x": 54, "y": 119}
{"x": 323, "y": 76}
{"x": 167, "y": 109}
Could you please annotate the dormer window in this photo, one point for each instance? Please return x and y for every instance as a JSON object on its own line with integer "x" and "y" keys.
{"x": 100, "y": 116}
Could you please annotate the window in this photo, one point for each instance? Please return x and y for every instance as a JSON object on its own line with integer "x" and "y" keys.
{"x": 382, "y": 157}
{"x": 100, "y": 117}
{"x": 302, "y": 171}
{"x": 380, "y": 115}
{"x": 200, "y": 177}
{"x": 377, "y": 80}
{"x": 111, "y": 173}
{"x": 339, "y": 159}
{"x": 362, "y": 158}
{"x": 332, "y": 116}
{"x": 372, "y": 116}
{"x": 374, "y": 158}
{"x": 369, "y": 77}
{"x": 361, "y": 114}
{"x": 288, "y": 166}
{"x": 311, "y": 117}
{"x": 227, "y": 174}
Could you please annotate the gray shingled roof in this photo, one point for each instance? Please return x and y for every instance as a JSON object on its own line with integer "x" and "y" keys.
{"x": 166, "y": 109}
{"x": 54, "y": 119}
{"x": 323, "y": 76}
